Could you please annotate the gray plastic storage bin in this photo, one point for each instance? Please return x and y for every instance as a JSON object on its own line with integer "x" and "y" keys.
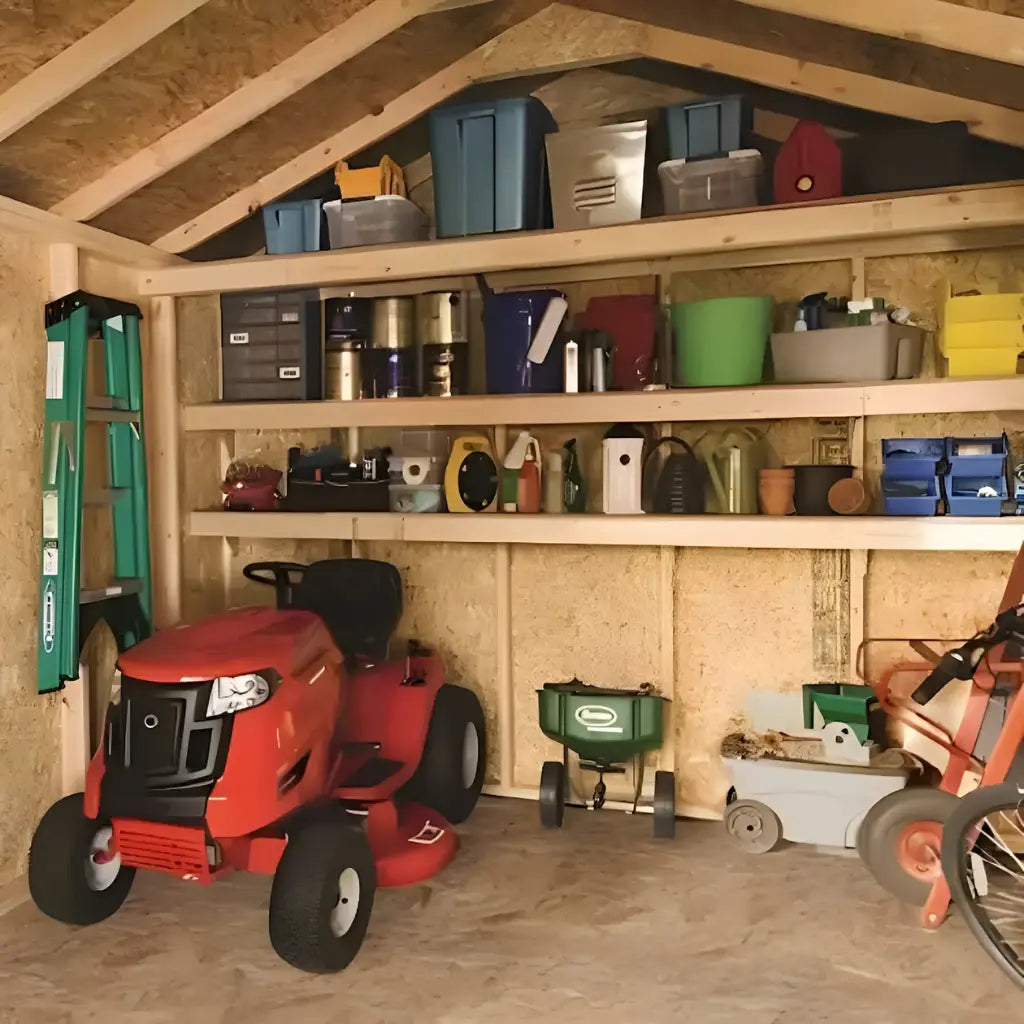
{"x": 379, "y": 221}
{"x": 727, "y": 183}
{"x": 834, "y": 355}
{"x": 597, "y": 174}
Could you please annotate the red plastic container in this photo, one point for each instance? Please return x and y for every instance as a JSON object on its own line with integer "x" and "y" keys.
{"x": 809, "y": 165}
{"x": 632, "y": 321}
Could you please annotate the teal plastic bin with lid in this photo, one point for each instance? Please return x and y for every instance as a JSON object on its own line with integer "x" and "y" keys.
{"x": 489, "y": 166}
{"x": 292, "y": 226}
{"x": 721, "y": 342}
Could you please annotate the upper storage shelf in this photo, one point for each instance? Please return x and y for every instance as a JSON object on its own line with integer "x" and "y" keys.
{"x": 766, "y": 402}
{"x": 908, "y": 223}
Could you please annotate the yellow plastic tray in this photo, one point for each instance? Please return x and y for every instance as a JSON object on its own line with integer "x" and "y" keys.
{"x": 967, "y": 309}
{"x": 984, "y": 334}
{"x": 982, "y": 362}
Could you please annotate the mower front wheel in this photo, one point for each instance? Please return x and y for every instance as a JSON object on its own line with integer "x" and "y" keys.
{"x": 322, "y": 896}
{"x": 74, "y": 874}
{"x": 451, "y": 771}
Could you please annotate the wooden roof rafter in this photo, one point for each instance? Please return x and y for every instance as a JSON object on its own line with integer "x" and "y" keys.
{"x": 355, "y": 34}
{"x": 87, "y": 58}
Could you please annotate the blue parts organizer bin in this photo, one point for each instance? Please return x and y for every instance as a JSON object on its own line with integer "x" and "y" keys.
{"x": 710, "y": 127}
{"x": 911, "y": 467}
{"x": 979, "y": 462}
{"x": 489, "y": 167}
{"x": 510, "y": 322}
{"x": 292, "y": 226}
{"x": 964, "y": 498}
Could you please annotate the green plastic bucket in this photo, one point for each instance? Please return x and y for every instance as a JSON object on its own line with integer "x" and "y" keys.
{"x": 721, "y": 342}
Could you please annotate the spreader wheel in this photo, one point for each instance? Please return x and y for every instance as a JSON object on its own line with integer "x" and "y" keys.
{"x": 552, "y": 794}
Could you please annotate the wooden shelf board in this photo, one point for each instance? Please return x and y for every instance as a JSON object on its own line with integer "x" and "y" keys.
{"x": 713, "y": 239}
{"x": 872, "y": 533}
{"x": 778, "y": 401}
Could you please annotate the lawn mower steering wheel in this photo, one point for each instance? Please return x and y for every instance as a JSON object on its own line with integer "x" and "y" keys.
{"x": 277, "y": 575}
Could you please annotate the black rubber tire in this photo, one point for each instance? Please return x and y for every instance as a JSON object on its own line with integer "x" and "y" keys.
{"x": 552, "y": 794}
{"x": 439, "y": 781}
{"x": 664, "y": 805}
{"x": 970, "y": 809}
{"x": 879, "y": 834}
{"x": 305, "y": 893}
{"x": 762, "y": 831}
{"x": 57, "y": 859}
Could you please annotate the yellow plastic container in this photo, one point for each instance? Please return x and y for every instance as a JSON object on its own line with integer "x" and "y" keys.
{"x": 386, "y": 179}
{"x": 965, "y": 309}
{"x": 1007, "y": 334}
{"x": 982, "y": 362}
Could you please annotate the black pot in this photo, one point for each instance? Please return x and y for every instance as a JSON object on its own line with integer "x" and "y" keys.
{"x": 811, "y": 487}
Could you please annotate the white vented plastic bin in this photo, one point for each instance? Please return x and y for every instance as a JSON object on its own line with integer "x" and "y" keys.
{"x": 378, "y": 221}
{"x": 725, "y": 183}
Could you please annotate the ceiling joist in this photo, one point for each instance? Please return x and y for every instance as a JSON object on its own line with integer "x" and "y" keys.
{"x": 933, "y": 22}
{"x": 364, "y": 28}
{"x": 87, "y": 58}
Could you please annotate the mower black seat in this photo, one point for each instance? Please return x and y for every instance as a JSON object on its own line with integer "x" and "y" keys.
{"x": 359, "y": 599}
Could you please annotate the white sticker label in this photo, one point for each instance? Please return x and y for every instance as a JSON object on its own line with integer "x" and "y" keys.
{"x": 116, "y": 323}
{"x": 241, "y": 338}
{"x": 289, "y": 372}
{"x": 50, "y": 559}
{"x": 55, "y": 369}
{"x": 428, "y": 835}
{"x": 289, "y": 318}
{"x": 49, "y": 616}
{"x": 51, "y": 515}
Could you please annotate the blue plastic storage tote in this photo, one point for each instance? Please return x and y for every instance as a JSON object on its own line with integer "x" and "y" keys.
{"x": 489, "y": 166}
{"x": 292, "y": 226}
{"x": 710, "y": 127}
{"x": 510, "y": 321}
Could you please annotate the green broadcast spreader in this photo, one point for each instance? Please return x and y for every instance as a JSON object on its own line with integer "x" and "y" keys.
{"x": 606, "y": 729}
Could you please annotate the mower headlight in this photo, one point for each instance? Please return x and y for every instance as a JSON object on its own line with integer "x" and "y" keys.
{"x": 236, "y": 693}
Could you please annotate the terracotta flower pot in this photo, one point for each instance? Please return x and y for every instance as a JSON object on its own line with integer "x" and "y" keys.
{"x": 775, "y": 491}
{"x": 849, "y": 497}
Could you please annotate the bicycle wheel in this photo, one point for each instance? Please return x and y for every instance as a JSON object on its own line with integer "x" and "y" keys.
{"x": 983, "y": 861}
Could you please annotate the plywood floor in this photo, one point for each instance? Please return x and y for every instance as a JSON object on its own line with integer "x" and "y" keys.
{"x": 597, "y": 924}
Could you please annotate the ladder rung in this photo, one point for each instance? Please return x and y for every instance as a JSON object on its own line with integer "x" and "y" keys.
{"x": 119, "y": 588}
{"x": 107, "y": 402}
{"x": 103, "y": 415}
{"x": 104, "y": 495}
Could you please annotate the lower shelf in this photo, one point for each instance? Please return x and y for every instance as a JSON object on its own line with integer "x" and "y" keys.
{"x": 862, "y": 533}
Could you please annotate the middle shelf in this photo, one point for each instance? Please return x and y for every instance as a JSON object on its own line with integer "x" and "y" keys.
{"x": 861, "y": 533}
{"x": 764, "y": 402}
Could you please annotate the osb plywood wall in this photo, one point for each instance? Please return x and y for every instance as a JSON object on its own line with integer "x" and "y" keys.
{"x": 29, "y": 738}
{"x": 743, "y": 619}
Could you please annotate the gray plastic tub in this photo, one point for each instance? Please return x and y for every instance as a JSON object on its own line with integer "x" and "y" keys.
{"x": 822, "y": 804}
{"x": 834, "y": 355}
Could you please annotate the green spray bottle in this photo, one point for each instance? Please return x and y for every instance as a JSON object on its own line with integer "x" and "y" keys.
{"x": 572, "y": 479}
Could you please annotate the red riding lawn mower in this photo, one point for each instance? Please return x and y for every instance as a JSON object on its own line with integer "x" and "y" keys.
{"x": 279, "y": 741}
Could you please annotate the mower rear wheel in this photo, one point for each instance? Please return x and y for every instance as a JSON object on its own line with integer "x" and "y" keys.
{"x": 322, "y": 896}
{"x": 664, "y": 805}
{"x": 74, "y": 875}
{"x": 900, "y": 841}
{"x": 451, "y": 771}
{"x": 552, "y": 794}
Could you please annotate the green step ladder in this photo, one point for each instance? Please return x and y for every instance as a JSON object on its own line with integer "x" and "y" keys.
{"x": 68, "y": 613}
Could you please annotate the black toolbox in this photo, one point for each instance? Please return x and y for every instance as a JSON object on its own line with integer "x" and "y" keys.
{"x": 271, "y": 346}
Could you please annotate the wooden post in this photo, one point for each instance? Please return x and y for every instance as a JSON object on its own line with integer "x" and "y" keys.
{"x": 503, "y": 615}
{"x": 164, "y": 462}
{"x": 858, "y": 557}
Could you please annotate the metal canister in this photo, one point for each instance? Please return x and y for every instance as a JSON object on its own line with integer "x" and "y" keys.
{"x": 342, "y": 379}
{"x": 394, "y": 322}
{"x": 441, "y": 332}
